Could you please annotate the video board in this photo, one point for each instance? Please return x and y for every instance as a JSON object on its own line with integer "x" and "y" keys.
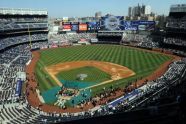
{"x": 146, "y": 25}
{"x": 74, "y": 27}
{"x": 83, "y": 27}
{"x": 67, "y": 27}
{"x": 92, "y": 25}
{"x": 112, "y": 23}
{"x": 129, "y": 25}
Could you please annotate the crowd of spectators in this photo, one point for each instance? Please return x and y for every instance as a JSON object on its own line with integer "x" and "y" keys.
{"x": 71, "y": 37}
{"x": 14, "y": 26}
{"x": 175, "y": 41}
{"x": 20, "y": 23}
{"x": 13, "y": 61}
{"x": 148, "y": 43}
{"x": 176, "y": 23}
{"x": 143, "y": 41}
{"x": 6, "y": 42}
{"x": 133, "y": 38}
{"x": 23, "y": 19}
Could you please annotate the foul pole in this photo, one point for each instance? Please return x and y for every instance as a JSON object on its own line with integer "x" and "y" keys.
{"x": 29, "y": 37}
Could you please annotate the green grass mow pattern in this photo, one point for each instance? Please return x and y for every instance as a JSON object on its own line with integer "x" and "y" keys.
{"x": 143, "y": 63}
{"x": 93, "y": 74}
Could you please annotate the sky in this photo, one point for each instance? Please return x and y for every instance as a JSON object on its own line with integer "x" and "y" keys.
{"x": 82, "y": 8}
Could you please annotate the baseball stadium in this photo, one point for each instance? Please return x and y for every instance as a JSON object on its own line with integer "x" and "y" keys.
{"x": 104, "y": 69}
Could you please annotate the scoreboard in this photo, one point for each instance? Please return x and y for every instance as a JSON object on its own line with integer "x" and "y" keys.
{"x": 83, "y": 27}
{"x": 129, "y": 25}
{"x": 117, "y": 23}
{"x": 112, "y": 23}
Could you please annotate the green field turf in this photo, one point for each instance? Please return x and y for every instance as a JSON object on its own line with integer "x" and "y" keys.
{"x": 93, "y": 74}
{"x": 141, "y": 62}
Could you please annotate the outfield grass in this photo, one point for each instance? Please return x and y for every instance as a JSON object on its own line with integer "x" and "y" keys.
{"x": 93, "y": 74}
{"x": 44, "y": 80}
{"x": 141, "y": 62}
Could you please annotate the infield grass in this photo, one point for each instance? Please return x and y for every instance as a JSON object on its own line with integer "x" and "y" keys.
{"x": 93, "y": 74}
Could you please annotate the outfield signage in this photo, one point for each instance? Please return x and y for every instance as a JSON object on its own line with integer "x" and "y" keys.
{"x": 116, "y": 23}
{"x": 144, "y": 25}
{"x": 82, "y": 27}
{"x": 74, "y": 27}
{"x": 113, "y": 23}
{"x": 18, "y": 88}
{"x": 128, "y": 25}
{"x": 66, "y": 27}
{"x": 92, "y": 25}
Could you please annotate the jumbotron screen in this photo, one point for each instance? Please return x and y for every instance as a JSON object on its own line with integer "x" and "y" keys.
{"x": 92, "y": 25}
{"x": 129, "y": 25}
{"x": 83, "y": 27}
{"x": 112, "y": 23}
{"x": 66, "y": 27}
{"x": 146, "y": 25}
{"x": 74, "y": 27}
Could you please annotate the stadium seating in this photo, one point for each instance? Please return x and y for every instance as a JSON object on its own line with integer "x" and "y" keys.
{"x": 12, "y": 62}
{"x": 133, "y": 38}
{"x": 23, "y": 23}
{"x": 24, "y": 114}
{"x": 6, "y": 42}
{"x": 176, "y": 23}
{"x": 72, "y": 37}
{"x": 147, "y": 43}
{"x": 175, "y": 41}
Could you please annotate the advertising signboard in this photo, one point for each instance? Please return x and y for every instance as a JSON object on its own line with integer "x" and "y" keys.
{"x": 74, "y": 27}
{"x": 66, "y": 27}
{"x": 128, "y": 25}
{"x": 92, "y": 25}
{"x": 144, "y": 25}
{"x": 83, "y": 27}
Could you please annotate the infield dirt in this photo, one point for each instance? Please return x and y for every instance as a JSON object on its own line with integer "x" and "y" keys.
{"x": 116, "y": 71}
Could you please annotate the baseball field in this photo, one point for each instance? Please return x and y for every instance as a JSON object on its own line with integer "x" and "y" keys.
{"x": 102, "y": 66}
